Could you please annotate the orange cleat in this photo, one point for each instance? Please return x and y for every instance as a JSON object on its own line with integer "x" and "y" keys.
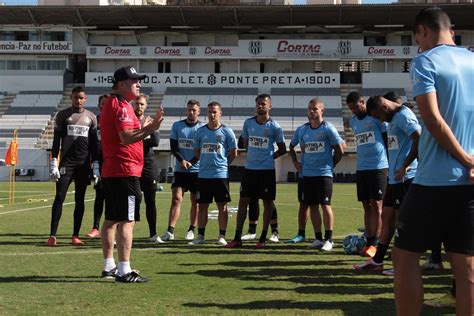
{"x": 369, "y": 251}
{"x": 94, "y": 233}
{"x": 51, "y": 242}
{"x": 234, "y": 244}
{"x": 76, "y": 241}
{"x": 260, "y": 245}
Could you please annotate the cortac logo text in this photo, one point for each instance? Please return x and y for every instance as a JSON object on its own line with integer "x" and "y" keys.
{"x": 117, "y": 51}
{"x": 285, "y": 47}
{"x": 167, "y": 51}
{"x": 381, "y": 51}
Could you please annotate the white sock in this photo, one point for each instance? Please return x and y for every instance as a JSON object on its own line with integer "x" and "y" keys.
{"x": 109, "y": 264}
{"x": 124, "y": 268}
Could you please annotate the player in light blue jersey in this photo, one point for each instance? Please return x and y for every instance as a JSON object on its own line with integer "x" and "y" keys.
{"x": 323, "y": 149}
{"x": 403, "y": 134}
{"x": 260, "y": 133}
{"x": 303, "y": 208}
{"x": 439, "y": 206}
{"x": 215, "y": 147}
{"x": 372, "y": 164}
{"x": 186, "y": 173}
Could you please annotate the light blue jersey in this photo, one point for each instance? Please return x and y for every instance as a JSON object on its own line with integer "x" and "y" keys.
{"x": 295, "y": 140}
{"x": 404, "y": 123}
{"x": 369, "y": 141}
{"x": 318, "y": 152}
{"x": 261, "y": 143}
{"x": 184, "y": 133}
{"x": 448, "y": 71}
{"x": 214, "y": 145}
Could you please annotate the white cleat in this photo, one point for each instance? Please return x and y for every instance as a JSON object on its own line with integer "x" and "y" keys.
{"x": 274, "y": 237}
{"x": 328, "y": 245}
{"x": 317, "y": 244}
{"x": 189, "y": 235}
{"x": 249, "y": 237}
{"x": 167, "y": 236}
{"x": 157, "y": 239}
{"x": 197, "y": 241}
{"x": 221, "y": 241}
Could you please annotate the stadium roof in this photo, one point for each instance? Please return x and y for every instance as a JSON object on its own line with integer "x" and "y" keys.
{"x": 241, "y": 19}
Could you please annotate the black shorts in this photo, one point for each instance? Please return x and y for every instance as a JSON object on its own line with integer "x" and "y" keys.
{"x": 188, "y": 181}
{"x": 300, "y": 189}
{"x": 122, "y": 199}
{"x": 395, "y": 193}
{"x": 213, "y": 188}
{"x": 147, "y": 184}
{"x": 371, "y": 184}
{"x": 259, "y": 184}
{"x": 431, "y": 215}
{"x": 79, "y": 173}
{"x": 317, "y": 190}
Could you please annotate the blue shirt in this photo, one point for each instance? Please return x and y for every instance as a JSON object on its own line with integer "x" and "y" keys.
{"x": 214, "y": 145}
{"x": 369, "y": 141}
{"x": 448, "y": 71}
{"x": 295, "y": 140}
{"x": 261, "y": 143}
{"x": 184, "y": 134}
{"x": 317, "y": 144}
{"x": 404, "y": 123}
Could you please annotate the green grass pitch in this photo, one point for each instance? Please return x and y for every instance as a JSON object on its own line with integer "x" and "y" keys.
{"x": 280, "y": 280}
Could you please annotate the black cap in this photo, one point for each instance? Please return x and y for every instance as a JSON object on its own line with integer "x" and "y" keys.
{"x": 127, "y": 72}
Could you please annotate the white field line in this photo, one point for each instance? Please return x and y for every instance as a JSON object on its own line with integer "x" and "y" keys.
{"x": 39, "y": 207}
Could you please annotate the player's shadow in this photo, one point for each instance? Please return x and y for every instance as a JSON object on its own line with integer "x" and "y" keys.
{"x": 379, "y": 305}
{"x": 50, "y": 279}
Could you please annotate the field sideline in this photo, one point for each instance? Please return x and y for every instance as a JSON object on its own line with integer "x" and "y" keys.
{"x": 280, "y": 280}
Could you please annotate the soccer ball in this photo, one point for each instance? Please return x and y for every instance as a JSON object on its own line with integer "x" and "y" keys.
{"x": 353, "y": 244}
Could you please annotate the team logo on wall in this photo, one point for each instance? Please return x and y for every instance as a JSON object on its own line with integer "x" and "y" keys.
{"x": 406, "y": 50}
{"x": 142, "y": 50}
{"x": 211, "y": 80}
{"x": 192, "y": 51}
{"x": 344, "y": 47}
{"x": 93, "y": 50}
{"x": 255, "y": 47}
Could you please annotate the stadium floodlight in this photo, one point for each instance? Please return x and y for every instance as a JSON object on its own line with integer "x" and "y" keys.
{"x": 132, "y": 27}
{"x": 339, "y": 26}
{"x": 389, "y": 25}
{"x": 290, "y": 27}
{"x": 83, "y": 27}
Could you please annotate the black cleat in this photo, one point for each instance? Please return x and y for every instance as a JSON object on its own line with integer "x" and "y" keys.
{"x": 132, "y": 277}
{"x": 111, "y": 274}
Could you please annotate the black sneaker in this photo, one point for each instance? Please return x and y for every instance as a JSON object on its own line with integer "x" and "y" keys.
{"x": 132, "y": 277}
{"x": 109, "y": 274}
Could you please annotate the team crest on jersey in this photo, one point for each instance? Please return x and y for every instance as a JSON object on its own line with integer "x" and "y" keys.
{"x": 219, "y": 138}
{"x": 368, "y": 125}
{"x": 266, "y": 132}
{"x": 69, "y": 120}
{"x": 124, "y": 116}
{"x": 87, "y": 121}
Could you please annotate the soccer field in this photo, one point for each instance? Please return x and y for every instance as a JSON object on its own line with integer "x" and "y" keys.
{"x": 280, "y": 280}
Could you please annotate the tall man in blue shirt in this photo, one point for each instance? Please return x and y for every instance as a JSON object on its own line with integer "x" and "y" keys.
{"x": 318, "y": 140}
{"x": 186, "y": 174}
{"x": 215, "y": 147}
{"x": 439, "y": 206}
{"x": 372, "y": 164}
{"x": 260, "y": 134}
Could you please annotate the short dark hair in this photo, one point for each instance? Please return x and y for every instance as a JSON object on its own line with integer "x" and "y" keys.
{"x": 78, "y": 89}
{"x": 433, "y": 18}
{"x": 194, "y": 102}
{"x": 105, "y": 95}
{"x": 372, "y": 103}
{"x": 215, "y": 103}
{"x": 353, "y": 96}
{"x": 263, "y": 96}
{"x": 392, "y": 96}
